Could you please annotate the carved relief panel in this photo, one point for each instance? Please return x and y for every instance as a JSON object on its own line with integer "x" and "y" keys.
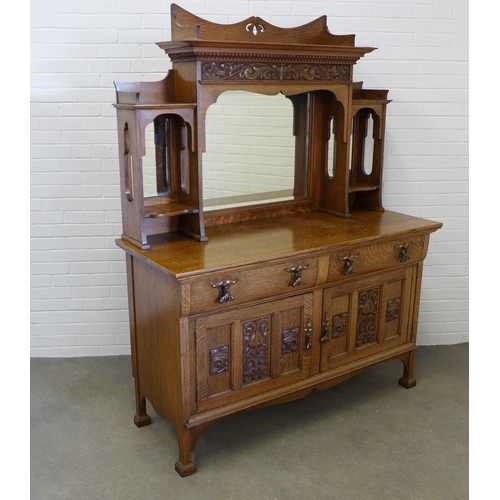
{"x": 270, "y": 71}
{"x": 256, "y": 350}
{"x": 365, "y": 316}
{"x": 247, "y": 351}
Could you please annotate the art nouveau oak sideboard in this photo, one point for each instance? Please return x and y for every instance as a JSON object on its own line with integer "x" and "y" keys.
{"x": 285, "y": 290}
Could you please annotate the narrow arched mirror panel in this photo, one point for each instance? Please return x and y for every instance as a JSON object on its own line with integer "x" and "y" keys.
{"x": 250, "y": 151}
{"x": 368, "y": 145}
{"x": 351, "y": 146}
{"x": 156, "y": 169}
{"x": 331, "y": 162}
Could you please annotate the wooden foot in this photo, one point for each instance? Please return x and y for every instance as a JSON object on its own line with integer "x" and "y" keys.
{"x": 187, "y": 438}
{"x": 185, "y": 469}
{"x": 407, "y": 379}
{"x": 407, "y": 383}
{"x": 141, "y": 417}
{"x": 142, "y": 420}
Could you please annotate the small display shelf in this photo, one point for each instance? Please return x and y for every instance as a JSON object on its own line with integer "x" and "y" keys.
{"x": 160, "y": 207}
{"x": 357, "y": 186}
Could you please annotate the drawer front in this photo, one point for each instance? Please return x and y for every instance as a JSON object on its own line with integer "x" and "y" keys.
{"x": 361, "y": 260}
{"x": 218, "y": 291}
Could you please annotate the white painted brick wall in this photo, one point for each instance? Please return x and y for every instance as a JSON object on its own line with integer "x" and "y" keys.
{"x": 78, "y": 292}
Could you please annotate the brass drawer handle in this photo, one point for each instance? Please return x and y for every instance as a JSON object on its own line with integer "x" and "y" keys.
{"x": 224, "y": 290}
{"x": 296, "y": 275}
{"x": 404, "y": 249}
{"x": 308, "y": 333}
{"x": 348, "y": 265}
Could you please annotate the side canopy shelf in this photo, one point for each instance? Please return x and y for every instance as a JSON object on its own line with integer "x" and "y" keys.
{"x": 338, "y": 126}
{"x": 173, "y": 140}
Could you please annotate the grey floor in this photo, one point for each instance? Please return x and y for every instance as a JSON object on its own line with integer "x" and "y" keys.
{"x": 367, "y": 438}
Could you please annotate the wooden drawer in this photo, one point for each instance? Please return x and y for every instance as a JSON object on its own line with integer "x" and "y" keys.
{"x": 366, "y": 259}
{"x": 250, "y": 283}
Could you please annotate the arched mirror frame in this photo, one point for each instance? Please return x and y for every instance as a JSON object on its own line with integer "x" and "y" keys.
{"x": 302, "y": 188}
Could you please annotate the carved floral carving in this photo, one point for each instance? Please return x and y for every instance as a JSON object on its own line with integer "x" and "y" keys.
{"x": 290, "y": 340}
{"x": 278, "y": 71}
{"x": 255, "y": 350}
{"x": 219, "y": 360}
{"x": 367, "y": 316}
{"x": 339, "y": 325}
{"x": 392, "y": 312}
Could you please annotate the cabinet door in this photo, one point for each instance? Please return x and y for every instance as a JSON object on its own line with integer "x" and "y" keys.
{"x": 247, "y": 351}
{"x": 366, "y": 316}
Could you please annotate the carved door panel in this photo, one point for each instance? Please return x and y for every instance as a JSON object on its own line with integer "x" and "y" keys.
{"x": 247, "y": 351}
{"x": 366, "y": 316}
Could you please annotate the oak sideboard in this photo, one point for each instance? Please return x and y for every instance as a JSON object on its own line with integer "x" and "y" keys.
{"x": 273, "y": 293}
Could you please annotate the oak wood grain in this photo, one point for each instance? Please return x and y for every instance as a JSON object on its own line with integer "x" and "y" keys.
{"x": 292, "y": 237}
{"x": 242, "y": 308}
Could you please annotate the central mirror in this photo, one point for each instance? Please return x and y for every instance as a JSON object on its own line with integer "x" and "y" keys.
{"x": 250, "y": 155}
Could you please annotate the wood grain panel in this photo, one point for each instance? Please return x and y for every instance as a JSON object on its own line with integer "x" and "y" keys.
{"x": 368, "y": 259}
{"x": 349, "y": 298}
{"x": 252, "y": 284}
{"x": 254, "y": 336}
{"x": 280, "y": 238}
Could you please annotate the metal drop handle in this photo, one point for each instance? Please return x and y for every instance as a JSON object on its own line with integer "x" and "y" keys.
{"x": 326, "y": 328}
{"x": 224, "y": 290}
{"x": 348, "y": 265}
{"x": 404, "y": 249}
{"x": 296, "y": 275}
{"x": 308, "y": 333}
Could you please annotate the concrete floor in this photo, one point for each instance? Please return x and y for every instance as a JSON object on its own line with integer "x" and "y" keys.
{"x": 367, "y": 438}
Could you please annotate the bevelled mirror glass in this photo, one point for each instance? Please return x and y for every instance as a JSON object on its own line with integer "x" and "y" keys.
{"x": 331, "y": 164}
{"x": 250, "y": 153}
{"x": 156, "y": 172}
{"x": 368, "y": 145}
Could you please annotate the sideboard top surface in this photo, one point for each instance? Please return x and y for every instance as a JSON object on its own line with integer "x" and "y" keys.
{"x": 255, "y": 241}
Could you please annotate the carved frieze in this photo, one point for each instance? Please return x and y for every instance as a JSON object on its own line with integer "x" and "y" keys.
{"x": 339, "y": 327}
{"x": 392, "y": 312}
{"x": 290, "y": 340}
{"x": 273, "y": 71}
{"x": 219, "y": 360}
{"x": 256, "y": 350}
{"x": 366, "y": 330}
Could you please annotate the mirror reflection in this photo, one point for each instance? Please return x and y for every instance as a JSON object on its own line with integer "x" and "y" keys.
{"x": 250, "y": 150}
{"x": 368, "y": 146}
{"x": 156, "y": 171}
{"x": 331, "y": 164}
